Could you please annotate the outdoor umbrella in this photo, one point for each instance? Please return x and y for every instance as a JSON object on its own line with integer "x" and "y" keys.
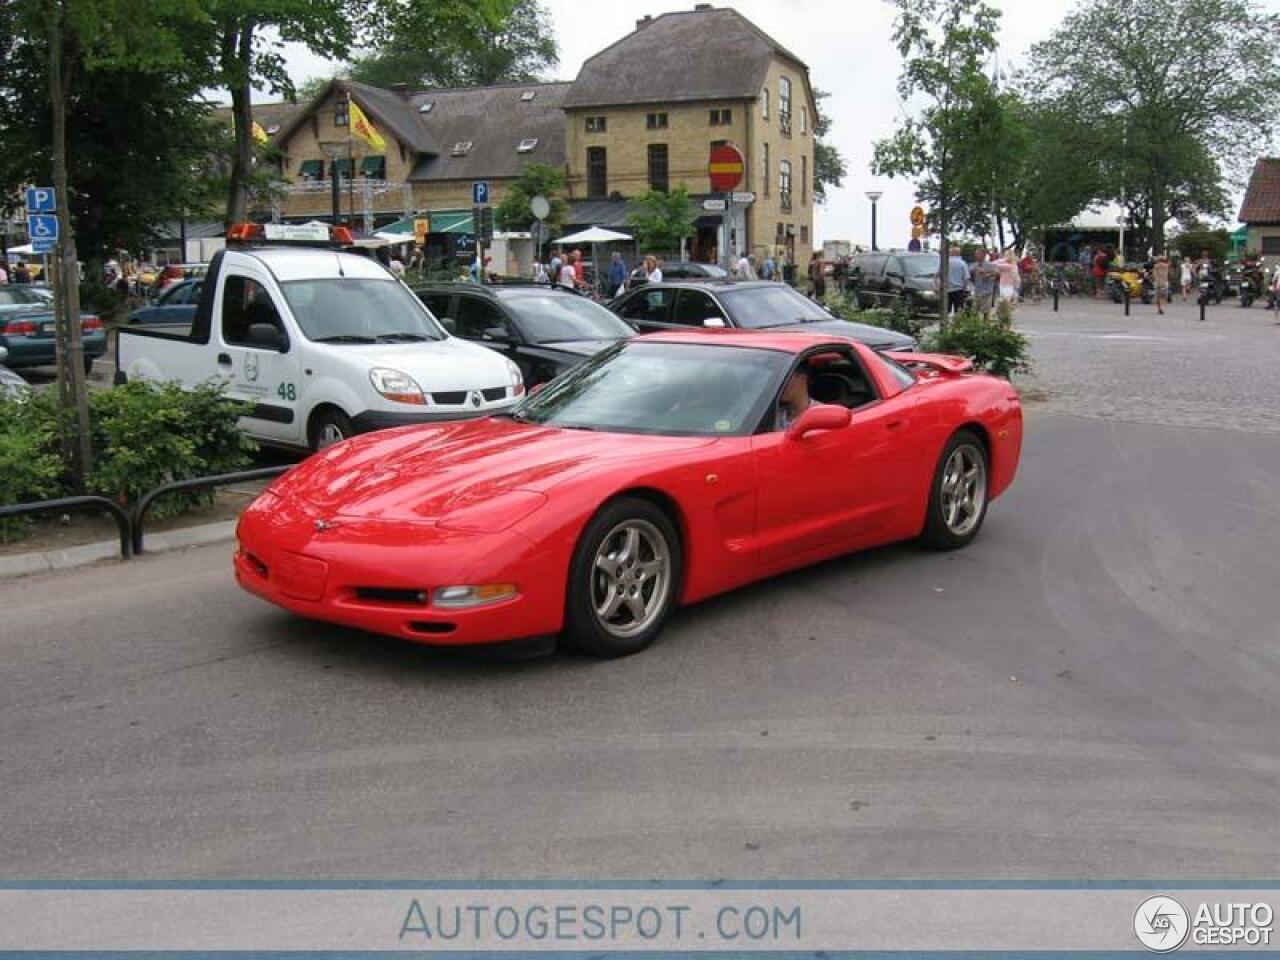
{"x": 593, "y": 236}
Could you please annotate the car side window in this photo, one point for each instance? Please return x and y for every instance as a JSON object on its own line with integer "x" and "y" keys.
{"x": 476, "y": 315}
{"x": 693, "y": 307}
{"x": 834, "y": 376}
{"x": 438, "y": 304}
{"x": 648, "y": 306}
{"x": 245, "y": 302}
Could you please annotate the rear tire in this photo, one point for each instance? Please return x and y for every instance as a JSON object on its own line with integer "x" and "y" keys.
{"x": 623, "y": 579}
{"x": 329, "y": 427}
{"x": 958, "y": 494}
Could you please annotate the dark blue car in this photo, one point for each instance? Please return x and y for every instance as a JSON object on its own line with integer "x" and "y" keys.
{"x": 177, "y": 305}
{"x": 27, "y": 328}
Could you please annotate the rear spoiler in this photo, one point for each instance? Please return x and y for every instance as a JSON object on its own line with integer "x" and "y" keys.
{"x": 932, "y": 364}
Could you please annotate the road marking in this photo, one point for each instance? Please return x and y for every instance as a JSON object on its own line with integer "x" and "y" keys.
{"x": 1097, "y": 336}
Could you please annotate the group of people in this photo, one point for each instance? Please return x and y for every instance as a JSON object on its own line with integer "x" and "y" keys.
{"x": 19, "y": 274}
{"x": 988, "y": 280}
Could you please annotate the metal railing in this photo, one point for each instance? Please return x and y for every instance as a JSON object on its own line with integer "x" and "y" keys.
{"x": 124, "y": 523}
{"x": 195, "y": 483}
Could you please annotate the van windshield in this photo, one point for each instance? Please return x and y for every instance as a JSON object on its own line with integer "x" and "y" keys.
{"x": 359, "y": 310}
{"x": 924, "y": 265}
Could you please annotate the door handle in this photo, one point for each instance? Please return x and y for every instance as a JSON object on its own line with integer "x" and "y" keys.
{"x": 224, "y": 359}
{"x": 895, "y": 424}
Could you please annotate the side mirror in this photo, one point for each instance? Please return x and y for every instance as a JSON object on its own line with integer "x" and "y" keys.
{"x": 495, "y": 335}
{"x": 715, "y": 322}
{"x": 824, "y": 416}
{"x": 267, "y": 336}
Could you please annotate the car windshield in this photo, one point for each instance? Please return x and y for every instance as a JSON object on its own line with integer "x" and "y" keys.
{"x": 925, "y": 265}
{"x": 774, "y": 305}
{"x": 17, "y": 297}
{"x": 359, "y": 310}
{"x": 552, "y": 317}
{"x": 672, "y": 389}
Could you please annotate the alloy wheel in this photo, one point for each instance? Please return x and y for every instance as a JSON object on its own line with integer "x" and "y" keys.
{"x": 630, "y": 578}
{"x": 964, "y": 489}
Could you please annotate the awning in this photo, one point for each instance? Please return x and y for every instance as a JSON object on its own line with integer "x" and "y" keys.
{"x": 343, "y": 166}
{"x": 594, "y": 235}
{"x": 374, "y": 167}
{"x": 442, "y": 221}
{"x": 311, "y": 168}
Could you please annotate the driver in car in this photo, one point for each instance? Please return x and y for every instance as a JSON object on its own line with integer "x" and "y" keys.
{"x": 795, "y": 399}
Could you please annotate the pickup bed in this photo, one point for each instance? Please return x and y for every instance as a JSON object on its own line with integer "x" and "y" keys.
{"x": 323, "y": 344}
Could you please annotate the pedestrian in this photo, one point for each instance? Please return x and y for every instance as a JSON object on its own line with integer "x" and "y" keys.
{"x": 540, "y": 272}
{"x": 982, "y": 278}
{"x": 20, "y": 273}
{"x": 1186, "y": 279}
{"x": 579, "y": 268}
{"x": 4, "y": 274}
{"x": 1275, "y": 292}
{"x": 770, "y": 269}
{"x": 1008, "y": 278}
{"x": 743, "y": 269}
{"x": 556, "y": 263}
{"x": 566, "y": 276}
{"x": 957, "y": 281}
{"x": 397, "y": 267}
{"x": 1160, "y": 279}
{"x": 617, "y": 274}
{"x": 817, "y": 276}
{"x": 652, "y": 272}
{"x": 1099, "y": 272}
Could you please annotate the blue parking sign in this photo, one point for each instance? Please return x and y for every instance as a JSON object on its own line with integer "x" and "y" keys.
{"x": 42, "y": 226}
{"x": 480, "y": 192}
{"x": 41, "y": 200}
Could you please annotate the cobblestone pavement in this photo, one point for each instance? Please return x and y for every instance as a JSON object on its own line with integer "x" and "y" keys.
{"x": 1091, "y": 360}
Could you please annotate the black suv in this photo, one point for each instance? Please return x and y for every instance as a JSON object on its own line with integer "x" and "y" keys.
{"x": 746, "y": 304}
{"x": 545, "y": 330}
{"x": 895, "y": 278}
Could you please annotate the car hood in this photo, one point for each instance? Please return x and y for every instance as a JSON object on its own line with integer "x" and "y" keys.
{"x": 437, "y": 365}
{"x": 879, "y": 338}
{"x": 433, "y": 472}
{"x": 579, "y": 348}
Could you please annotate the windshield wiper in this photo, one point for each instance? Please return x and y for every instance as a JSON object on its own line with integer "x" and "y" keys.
{"x": 344, "y": 338}
{"x": 403, "y": 337}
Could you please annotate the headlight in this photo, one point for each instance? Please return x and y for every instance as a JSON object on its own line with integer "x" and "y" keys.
{"x": 473, "y": 596}
{"x": 515, "y": 380}
{"x": 929, "y": 294}
{"x": 396, "y": 386}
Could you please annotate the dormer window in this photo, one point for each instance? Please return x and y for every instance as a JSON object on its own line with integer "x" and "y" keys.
{"x": 273, "y": 129}
{"x": 527, "y": 145}
{"x": 528, "y": 95}
{"x": 426, "y": 107}
{"x": 461, "y": 148}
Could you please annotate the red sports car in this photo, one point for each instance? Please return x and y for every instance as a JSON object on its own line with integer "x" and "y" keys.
{"x": 663, "y": 470}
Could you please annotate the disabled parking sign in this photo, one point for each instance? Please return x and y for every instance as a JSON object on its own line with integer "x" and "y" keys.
{"x": 42, "y": 226}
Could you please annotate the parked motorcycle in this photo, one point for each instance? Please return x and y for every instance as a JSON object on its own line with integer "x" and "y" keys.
{"x": 1251, "y": 284}
{"x": 1135, "y": 278}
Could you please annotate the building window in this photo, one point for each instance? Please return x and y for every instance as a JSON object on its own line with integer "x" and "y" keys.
{"x": 779, "y": 233}
{"x": 1271, "y": 245}
{"x": 597, "y": 172}
{"x": 764, "y": 104}
{"x": 374, "y": 168}
{"x": 784, "y": 184}
{"x": 597, "y": 125}
{"x": 768, "y": 170}
{"x": 311, "y": 169}
{"x": 656, "y": 121}
{"x": 804, "y": 120}
{"x": 721, "y": 117}
{"x": 784, "y": 105}
{"x": 804, "y": 234}
{"x": 804, "y": 180}
{"x": 340, "y": 109}
{"x": 658, "y": 166}
{"x": 527, "y": 145}
{"x": 461, "y": 148}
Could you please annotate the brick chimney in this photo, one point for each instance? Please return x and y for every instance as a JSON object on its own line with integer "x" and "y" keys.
{"x": 644, "y": 21}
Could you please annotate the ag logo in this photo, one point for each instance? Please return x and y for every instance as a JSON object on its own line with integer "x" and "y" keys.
{"x": 251, "y": 367}
{"x": 1161, "y": 924}
{"x": 476, "y": 398}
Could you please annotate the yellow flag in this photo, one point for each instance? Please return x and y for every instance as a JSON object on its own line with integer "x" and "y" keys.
{"x": 365, "y": 130}
{"x": 258, "y": 133}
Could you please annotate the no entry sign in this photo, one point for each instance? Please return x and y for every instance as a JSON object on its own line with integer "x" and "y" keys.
{"x": 725, "y": 168}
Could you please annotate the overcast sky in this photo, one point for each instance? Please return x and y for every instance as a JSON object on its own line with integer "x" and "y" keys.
{"x": 847, "y": 45}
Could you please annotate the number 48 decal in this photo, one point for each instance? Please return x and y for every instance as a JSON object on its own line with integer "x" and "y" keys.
{"x": 287, "y": 391}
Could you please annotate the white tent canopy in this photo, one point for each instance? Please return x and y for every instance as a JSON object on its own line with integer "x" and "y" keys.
{"x": 594, "y": 235}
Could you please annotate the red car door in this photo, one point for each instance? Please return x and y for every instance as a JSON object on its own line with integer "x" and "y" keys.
{"x": 832, "y": 491}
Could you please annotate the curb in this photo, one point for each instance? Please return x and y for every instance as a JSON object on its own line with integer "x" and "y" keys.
{"x": 25, "y": 564}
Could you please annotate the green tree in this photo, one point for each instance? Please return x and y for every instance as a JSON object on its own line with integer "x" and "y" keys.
{"x": 829, "y": 167}
{"x": 1176, "y": 89}
{"x": 660, "y": 219}
{"x": 944, "y": 45}
{"x": 536, "y": 179}
{"x": 440, "y": 45}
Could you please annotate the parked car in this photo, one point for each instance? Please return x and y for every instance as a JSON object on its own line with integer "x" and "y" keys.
{"x": 664, "y": 470}
{"x": 680, "y": 270}
{"x": 749, "y": 305}
{"x": 545, "y": 330}
{"x": 175, "y": 305}
{"x": 895, "y": 279}
{"x": 320, "y": 343}
{"x": 27, "y": 323}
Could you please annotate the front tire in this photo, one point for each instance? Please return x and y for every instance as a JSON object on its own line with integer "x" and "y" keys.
{"x": 958, "y": 494}
{"x": 623, "y": 580}
{"x": 329, "y": 427}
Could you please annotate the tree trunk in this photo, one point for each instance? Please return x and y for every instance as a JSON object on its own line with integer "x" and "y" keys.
{"x": 236, "y": 54}
{"x": 1158, "y": 217}
{"x": 69, "y": 347}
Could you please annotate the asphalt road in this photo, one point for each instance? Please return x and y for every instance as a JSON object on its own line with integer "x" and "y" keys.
{"x": 1092, "y": 689}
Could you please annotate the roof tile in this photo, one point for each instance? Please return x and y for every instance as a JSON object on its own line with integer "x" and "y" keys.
{"x": 1262, "y": 199}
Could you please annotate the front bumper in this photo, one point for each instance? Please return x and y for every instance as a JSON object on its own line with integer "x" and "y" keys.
{"x": 372, "y": 420}
{"x": 379, "y": 576}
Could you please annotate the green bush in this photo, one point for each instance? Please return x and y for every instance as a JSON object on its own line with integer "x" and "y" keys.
{"x": 146, "y": 435}
{"x": 29, "y": 461}
{"x": 990, "y": 341}
{"x": 842, "y": 306}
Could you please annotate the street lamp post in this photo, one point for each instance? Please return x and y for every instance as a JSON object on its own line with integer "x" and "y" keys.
{"x": 874, "y": 196}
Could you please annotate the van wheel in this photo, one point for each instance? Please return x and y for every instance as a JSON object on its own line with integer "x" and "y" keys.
{"x": 329, "y": 427}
